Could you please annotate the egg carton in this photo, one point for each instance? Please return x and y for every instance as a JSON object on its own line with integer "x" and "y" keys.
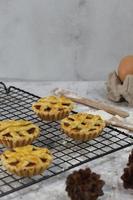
{"x": 118, "y": 91}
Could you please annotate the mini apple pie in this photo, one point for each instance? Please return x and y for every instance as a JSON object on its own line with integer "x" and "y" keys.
{"x": 82, "y": 126}
{"x": 52, "y": 108}
{"x": 26, "y": 161}
{"x": 15, "y": 133}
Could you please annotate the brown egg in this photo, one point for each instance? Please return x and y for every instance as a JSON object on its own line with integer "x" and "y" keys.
{"x": 125, "y": 67}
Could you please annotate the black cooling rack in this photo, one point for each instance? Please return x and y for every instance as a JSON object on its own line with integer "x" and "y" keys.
{"x": 15, "y": 104}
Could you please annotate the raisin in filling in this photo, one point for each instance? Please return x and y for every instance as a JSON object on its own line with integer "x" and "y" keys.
{"x": 43, "y": 160}
{"x": 14, "y": 163}
{"x": 76, "y": 129}
{"x": 60, "y": 109}
{"x": 47, "y": 109}
{"x": 30, "y": 164}
{"x": 97, "y": 124}
{"x": 37, "y": 107}
{"x": 83, "y": 123}
{"x": 71, "y": 119}
{"x": 5, "y": 157}
{"x": 66, "y": 124}
{"x": 12, "y": 150}
{"x": 66, "y": 104}
{"x": 7, "y": 135}
{"x": 34, "y": 149}
{"x": 31, "y": 130}
{"x": 88, "y": 117}
{"x": 92, "y": 129}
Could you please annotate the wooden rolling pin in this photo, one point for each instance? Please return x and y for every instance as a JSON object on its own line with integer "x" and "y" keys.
{"x": 92, "y": 103}
{"x": 101, "y": 106}
{"x": 115, "y": 122}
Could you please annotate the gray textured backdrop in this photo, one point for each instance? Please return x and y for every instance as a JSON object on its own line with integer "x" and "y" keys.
{"x": 64, "y": 39}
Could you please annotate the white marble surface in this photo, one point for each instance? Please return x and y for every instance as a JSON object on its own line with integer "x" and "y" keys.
{"x": 79, "y": 39}
{"x": 110, "y": 167}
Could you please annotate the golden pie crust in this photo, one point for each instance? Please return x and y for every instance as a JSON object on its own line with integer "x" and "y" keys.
{"x": 15, "y": 133}
{"x": 52, "y": 108}
{"x": 26, "y": 161}
{"x": 82, "y": 126}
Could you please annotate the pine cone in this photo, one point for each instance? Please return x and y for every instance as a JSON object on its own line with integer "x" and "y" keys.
{"x": 84, "y": 185}
{"x": 130, "y": 159}
{"x": 127, "y": 177}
